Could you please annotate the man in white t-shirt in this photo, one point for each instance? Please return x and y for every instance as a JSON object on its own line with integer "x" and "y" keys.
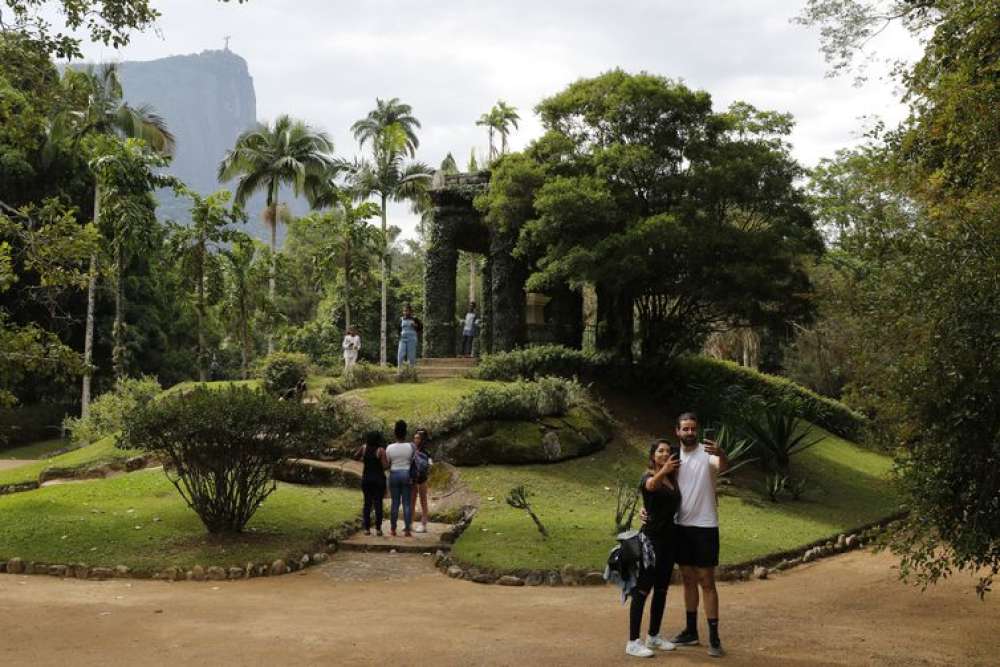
{"x": 697, "y": 525}
{"x": 469, "y": 330}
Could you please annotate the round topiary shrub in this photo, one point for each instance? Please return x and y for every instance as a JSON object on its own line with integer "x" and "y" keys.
{"x": 284, "y": 374}
{"x": 221, "y": 447}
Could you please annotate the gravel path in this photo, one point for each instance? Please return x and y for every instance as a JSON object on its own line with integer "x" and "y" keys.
{"x": 362, "y": 609}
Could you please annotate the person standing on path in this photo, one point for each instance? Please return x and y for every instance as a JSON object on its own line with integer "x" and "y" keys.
{"x": 660, "y": 500}
{"x": 374, "y": 460}
{"x": 469, "y": 331}
{"x": 698, "y": 530}
{"x": 421, "y": 468}
{"x": 410, "y": 326}
{"x": 351, "y": 345}
{"x": 400, "y": 455}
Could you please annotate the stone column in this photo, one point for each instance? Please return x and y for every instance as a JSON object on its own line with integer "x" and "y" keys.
{"x": 486, "y": 309}
{"x": 439, "y": 283}
{"x": 508, "y": 278}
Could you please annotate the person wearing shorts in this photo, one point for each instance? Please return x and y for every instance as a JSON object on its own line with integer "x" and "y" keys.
{"x": 697, "y": 530}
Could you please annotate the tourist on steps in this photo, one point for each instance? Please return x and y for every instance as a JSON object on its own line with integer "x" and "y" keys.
{"x": 660, "y": 500}
{"x": 372, "y": 455}
{"x": 400, "y": 455}
{"x": 421, "y": 469}
{"x": 469, "y": 331}
{"x": 410, "y": 327}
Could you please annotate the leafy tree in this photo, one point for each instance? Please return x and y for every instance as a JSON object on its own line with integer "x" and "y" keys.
{"x": 448, "y": 164}
{"x": 289, "y": 152}
{"x": 196, "y": 249}
{"x": 932, "y": 280}
{"x": 244, "y": 276}
{"x": 687, "y": 218}
{"x": 390, "y": 129}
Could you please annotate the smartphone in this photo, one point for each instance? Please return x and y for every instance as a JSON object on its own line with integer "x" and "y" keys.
{"x": 708, "y": 434}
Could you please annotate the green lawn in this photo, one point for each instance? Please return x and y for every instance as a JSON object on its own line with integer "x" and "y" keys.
{"x": 101, "y": 452}
{"x": 36, "y": 450}
{"x": 418, "y": 402}
{"x": 576, "y": 502}
{"x": 96, "y": 523}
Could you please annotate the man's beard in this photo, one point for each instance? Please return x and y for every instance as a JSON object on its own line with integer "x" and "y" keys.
{"x": 689, "y": 440}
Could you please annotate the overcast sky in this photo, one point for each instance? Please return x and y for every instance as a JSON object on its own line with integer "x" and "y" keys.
{"x": 326, "y": 61}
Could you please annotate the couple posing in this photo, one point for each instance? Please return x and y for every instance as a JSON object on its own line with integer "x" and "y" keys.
{"x": 408, "y": 464}
{"x": 681, "y": 522}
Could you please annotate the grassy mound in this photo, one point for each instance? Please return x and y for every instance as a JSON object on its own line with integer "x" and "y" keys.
{"x": 102, "y": 452}
{"x": 36, "y": 450}
{"x": 418, "y": 403}
{"x": 140, "y": 520}
{"x": 576, "y": 502}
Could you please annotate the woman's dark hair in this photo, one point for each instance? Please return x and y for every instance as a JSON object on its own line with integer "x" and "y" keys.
{"x": 652, "y": 450}
{"x": 425, "y": 437}
{"x": 400, "y": 430}
{"x": 374, "y": 439}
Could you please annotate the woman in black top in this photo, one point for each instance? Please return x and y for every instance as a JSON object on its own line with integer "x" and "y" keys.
{"x": 660, "y": 498}
{"x": 372, "y": 455}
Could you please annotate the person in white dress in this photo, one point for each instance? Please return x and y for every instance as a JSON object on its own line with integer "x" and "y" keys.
{"x": 351, "y": 345}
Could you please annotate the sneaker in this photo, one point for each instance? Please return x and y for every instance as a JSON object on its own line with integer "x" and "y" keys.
{"x": 407, "y": 533}
{"x": 685, "y": 638}
{"x": 637, "y": 650}
{"x": 715, "y": 649}
{"x": 659, "y": 643}
{"x": 420, "y": 529}
{"x": 378, "y": 532}
{"x": 392, "y": 532}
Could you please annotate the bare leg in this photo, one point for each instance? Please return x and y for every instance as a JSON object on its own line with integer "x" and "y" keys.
{"x": 690, "y": 576}
{"x": 424, "y": 513}
{"x": 706, "y": 579}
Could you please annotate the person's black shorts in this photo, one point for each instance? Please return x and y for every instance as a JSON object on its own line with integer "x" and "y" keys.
{"x": 697, "y": 546}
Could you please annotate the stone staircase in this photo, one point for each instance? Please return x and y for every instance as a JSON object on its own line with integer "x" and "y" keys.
{"x": 437, "y": 368}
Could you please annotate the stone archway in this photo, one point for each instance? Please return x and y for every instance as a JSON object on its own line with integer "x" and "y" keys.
{"x": 457, "y": 225}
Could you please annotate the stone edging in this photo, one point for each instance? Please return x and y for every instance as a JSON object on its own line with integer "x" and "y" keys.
{"x": 85, "y": 471}
{"x": 758, "y": 568}
{"x": 249, "y": 570}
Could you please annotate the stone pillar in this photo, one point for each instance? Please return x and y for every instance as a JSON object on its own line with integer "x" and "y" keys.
{"x": 486, "y": 309}
{"x": 508, "y": 278}
{"x": 439, "y": 285}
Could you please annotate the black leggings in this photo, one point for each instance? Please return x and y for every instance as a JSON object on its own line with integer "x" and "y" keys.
{"x": 657, "y": 579}
{"x": 374, "y": 491}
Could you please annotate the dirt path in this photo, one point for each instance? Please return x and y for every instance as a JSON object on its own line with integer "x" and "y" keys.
{"x": 7, "y": 464}
{"x": 380, "y": 608}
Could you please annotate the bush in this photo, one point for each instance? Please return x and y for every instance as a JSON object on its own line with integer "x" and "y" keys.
{"x": 776, "y": 435}
{"x": 543, "y": 360}
{"x": 109, "y": 411}
{"x": 222, "y": 446}
{"x": 284, "y": 374}
{"x": 710, "y": 384}
{"x": 515, "y": 401}
{"x": 361, "y": 375}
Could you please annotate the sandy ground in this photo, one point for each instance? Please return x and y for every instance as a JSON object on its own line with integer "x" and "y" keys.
{"x": 363, "y": 609}
{"x": 7, "y": 464}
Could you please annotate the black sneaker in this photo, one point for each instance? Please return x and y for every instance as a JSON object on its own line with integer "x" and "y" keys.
{"x": 685, "y": 638}
{"x": 715, "y": 649}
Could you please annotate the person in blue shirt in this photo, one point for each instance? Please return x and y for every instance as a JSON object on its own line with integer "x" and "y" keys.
{"x": 410, "y": 327}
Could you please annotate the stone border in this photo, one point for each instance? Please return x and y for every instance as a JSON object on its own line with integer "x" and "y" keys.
{"x": 98, "y": 471}
{"x": 280, "y": 566}
{"x": 758, "y": 568}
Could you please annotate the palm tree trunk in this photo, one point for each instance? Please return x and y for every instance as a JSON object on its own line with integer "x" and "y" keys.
{"x": 202, "y": 376}
{"x": 118, "y": 328}
{"x": 88, "y": 336}
{"x": 271, "y": 278}
{"x": 385, "y": 288}
{"x": 472, "y": 279}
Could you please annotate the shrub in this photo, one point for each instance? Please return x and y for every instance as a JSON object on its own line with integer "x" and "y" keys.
{"x": 407, "y": 374}
{"x": 515, "y": 401}
{"x": 221, "y": 447}
{"x": 533, "y": 362}
{"x": 710, "y": 384}
{"x": 348, "y": 419}
{"x": 109, "y": 411}
{"x": 284, "y": 374}
{"x": 776, "y": 433}
{"x": 360, "y": 375}
{"x": 22, "y": 424}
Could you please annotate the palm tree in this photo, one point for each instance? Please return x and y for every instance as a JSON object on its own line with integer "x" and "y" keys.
{"x": 389, "y": 128}
{"x": 290, "y": 152}
{"x": 105, "y": 113}
{"x": 506, "y": 117}
{"x": 243, "y": 277}
{"x": 489, "y": 120}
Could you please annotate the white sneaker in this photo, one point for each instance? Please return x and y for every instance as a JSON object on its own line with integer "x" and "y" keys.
{"x": 419, "y": 529}
{"x": 657, "y": 642}
{"x": 637, "y": 650}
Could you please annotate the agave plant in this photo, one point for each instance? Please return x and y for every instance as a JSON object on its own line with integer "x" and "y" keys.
{"x": 776, "y": 433}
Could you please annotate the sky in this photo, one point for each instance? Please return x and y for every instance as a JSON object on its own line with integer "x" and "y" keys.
{"x": 326, "y": 61}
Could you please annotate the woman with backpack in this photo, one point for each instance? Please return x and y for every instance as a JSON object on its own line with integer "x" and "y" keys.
{"x": 660, "y": 499}
{"x": 400, "y": 455}
{"x": 372, "y": 456}
{"x": 421, "y": 470}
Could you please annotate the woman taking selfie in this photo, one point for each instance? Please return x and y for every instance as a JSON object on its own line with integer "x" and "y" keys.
{"x": 660, "y": 499}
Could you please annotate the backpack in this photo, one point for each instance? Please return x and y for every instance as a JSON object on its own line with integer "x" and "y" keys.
{"x": 420, "y": 467}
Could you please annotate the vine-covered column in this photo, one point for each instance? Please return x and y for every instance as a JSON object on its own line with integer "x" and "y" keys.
{"x": 439, "y": 284}
{"x": 508, "y": 278}
{"x": 486, "y": 309}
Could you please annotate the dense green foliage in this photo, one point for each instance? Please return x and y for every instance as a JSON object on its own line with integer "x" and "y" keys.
{"x": 685, "y": 218}
{"x": 284, "y": 373}
{"x": 110, "y": 411}
{"x": 540, "y": 360}
{"x": 221, "y": 447}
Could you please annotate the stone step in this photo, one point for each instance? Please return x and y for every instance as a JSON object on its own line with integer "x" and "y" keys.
{"x": 428, "y": 542}
{"x": 441, "y": 372}
{"x": 446, "y": 361}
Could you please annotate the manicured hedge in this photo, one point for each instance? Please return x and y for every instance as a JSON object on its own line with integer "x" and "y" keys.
{"x": 704, "y": 380}
{"x": 531, "y": 363}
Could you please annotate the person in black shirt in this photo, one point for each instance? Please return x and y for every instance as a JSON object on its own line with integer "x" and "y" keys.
{"x": 372, "y": 455}
{"x": 660, "y": 499}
